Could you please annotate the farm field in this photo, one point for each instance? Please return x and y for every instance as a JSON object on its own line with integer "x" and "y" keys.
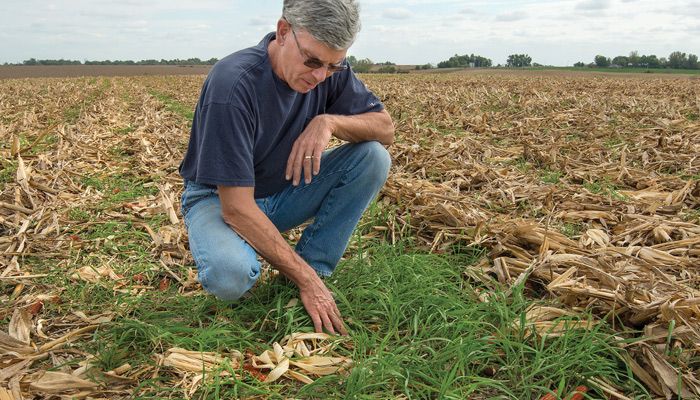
{"x": 539, "y": 233}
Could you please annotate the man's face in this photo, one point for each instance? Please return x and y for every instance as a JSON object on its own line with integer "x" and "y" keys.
{"x": 301, "y": 54}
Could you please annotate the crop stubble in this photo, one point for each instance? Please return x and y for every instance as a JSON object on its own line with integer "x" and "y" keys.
{"x": 584, "y": 188}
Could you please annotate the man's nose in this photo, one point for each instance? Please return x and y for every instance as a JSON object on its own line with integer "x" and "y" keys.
{"x": 320, "y": 74}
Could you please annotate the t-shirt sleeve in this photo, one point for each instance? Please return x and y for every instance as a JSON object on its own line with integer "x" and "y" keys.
{"x": 226, "y": 149}
{"x": 350, "y": 96}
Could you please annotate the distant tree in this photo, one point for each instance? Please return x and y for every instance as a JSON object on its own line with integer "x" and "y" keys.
{"x": 519, "y": 60}
{"x": 677, "y": 60}
{"x": 633, "y": 58}
{"x": 425, "y": 66}
{"x": 602, "y": 61}
{"x": 352, "y": 60}
{"x": 465, "y": 61}
{"x": 663, "y": 62}
{"x": 650, "y": 61}
{"x": 579, "y": 64}
{"x": 387, "y": 63}
{"x": 692, "y": 62}
{"x": 621, "y": 61}
{"x": 363, "y": 65}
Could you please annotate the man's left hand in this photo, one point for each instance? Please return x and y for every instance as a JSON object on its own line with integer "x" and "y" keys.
{"x": 307, "y": 150}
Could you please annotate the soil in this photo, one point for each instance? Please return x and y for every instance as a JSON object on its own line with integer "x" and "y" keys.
{"x": 65, "y": 71}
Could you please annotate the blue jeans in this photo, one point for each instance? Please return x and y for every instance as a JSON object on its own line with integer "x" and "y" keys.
{"x": 350, "y": 177}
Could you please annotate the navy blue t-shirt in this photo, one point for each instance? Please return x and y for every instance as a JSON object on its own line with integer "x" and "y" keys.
{"x": 247, "y": 120}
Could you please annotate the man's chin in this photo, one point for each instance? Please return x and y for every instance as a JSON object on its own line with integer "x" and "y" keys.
{"x": 303, "y": 87}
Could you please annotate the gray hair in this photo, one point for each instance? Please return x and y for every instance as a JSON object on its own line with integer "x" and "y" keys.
{"x": 332, "y": 22}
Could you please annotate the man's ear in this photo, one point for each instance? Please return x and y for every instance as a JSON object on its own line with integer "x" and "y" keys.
{"x": 283, "y": 29}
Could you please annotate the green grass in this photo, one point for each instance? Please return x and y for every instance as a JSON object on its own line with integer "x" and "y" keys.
{"x": 72, "y": 114}
{"x": 416, "y": 329}
{"x": 551, "y": 177}
{"x": 571, "y": 230}
{"x": 119, "y": 187}
{"x": 124, "y": 130}
{"x": 7, "y": 173}
{"x": 606, "y": 188}
{"x": 173, "y": 105}
{"x": 613, "y": 143}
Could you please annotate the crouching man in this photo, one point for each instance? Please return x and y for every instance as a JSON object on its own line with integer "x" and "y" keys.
{"x": 257, "y": 163}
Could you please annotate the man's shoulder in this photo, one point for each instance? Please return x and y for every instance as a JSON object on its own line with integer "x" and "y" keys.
{"x": 236, "y": 71}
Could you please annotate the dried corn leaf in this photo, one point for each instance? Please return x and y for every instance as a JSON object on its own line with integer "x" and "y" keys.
{"x": 669, "y": 377}
{"x": 194, "y": 361}
{"x": 12, "y": 370}
{"x": 595, "y": 237}
{"x": 7, "y": 395}
{"x": 168, "y": 205}
{"x": 301, "y": 351}
{"x": 61, "y": 383}
{"x": 21, "y": 325}
{"x": 92, "y": 275}
{"x": 10, "y": 345}
{"x": 280, "y": 369}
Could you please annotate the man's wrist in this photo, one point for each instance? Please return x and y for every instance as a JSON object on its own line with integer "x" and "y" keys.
{"x": 302, "y": 275}
{"x": 330, "y": 122}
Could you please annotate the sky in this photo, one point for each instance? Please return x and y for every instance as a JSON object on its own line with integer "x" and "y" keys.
{"x": 559, "y": 32}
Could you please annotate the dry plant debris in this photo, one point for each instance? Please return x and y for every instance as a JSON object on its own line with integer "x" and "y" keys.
{"x": 305, "y": 352}
{"x": 586, "y": 189}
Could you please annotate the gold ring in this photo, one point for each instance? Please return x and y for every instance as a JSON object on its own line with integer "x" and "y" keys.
{"x": 308, "y": 157}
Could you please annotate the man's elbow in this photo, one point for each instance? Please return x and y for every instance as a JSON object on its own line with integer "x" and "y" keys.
{"x": 231, "y": 215}
{"x": 236, "y": 204}
{"x": 388, "y": 130}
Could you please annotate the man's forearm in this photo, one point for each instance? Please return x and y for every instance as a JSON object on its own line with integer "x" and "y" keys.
{"x": 256, "y": 229}
{"x": 362, "y": 127}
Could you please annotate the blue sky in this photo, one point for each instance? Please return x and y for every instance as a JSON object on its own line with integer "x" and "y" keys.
{"x": 405, "y": 32}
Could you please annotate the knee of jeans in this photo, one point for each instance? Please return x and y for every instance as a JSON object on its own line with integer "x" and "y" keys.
{"x": 377, "y": 161}
{"x": 229, "y": 278}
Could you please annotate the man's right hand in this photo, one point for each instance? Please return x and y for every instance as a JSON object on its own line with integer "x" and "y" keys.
{"x": 242, "y": 214}
{"x": 320, "y": 305}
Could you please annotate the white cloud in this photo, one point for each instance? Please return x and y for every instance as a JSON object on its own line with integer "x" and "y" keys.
{"x": 262, "y": 21}
{"x": 589, "y": 5}
{"x": 511, "y": 16}
{"x": 556, "y": 32}
{"x": 397, "y": 13}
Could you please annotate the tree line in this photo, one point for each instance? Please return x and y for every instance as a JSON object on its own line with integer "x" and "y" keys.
{"x": 176, "y": 61}
{"x": 676, "y": 60}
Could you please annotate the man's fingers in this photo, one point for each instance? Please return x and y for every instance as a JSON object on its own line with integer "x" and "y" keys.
{"x": 307, "y": 168}
{"x": 338, "y": 323}
{"x": 290, "y": 162}
{"x": 338, "y": 319}
{"x": 317, "y": 162}
{"x": 327, "y": 323}
{"x": 296, "y": 169}
{"x": 318, "y": 328}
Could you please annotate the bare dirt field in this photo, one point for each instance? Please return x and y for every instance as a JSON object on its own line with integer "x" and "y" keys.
{"x": 66, "y": 71}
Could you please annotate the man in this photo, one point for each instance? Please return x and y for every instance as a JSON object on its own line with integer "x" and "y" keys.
{"x": 256, "y": 164}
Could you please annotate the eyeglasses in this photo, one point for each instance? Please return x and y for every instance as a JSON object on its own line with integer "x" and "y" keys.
{"x": 315, "y": 63}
